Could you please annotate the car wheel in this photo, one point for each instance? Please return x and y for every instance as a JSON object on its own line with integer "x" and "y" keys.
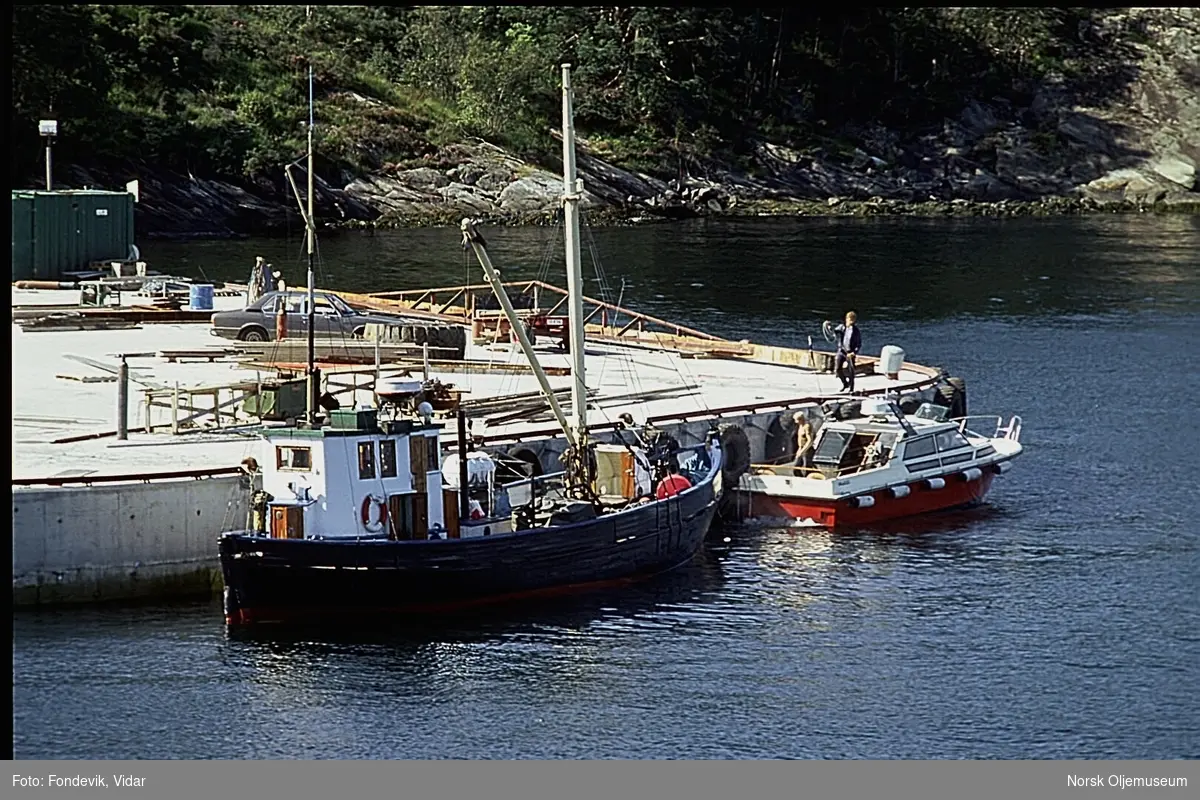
{"x": 360, "y": 332}
{"x": 253, "y": 335}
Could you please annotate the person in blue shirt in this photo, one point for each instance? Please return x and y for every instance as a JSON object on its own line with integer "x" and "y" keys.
{"x": 849, "y": 343}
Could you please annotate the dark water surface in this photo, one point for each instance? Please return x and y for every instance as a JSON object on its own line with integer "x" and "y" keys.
{"x": 1060, "y": 621}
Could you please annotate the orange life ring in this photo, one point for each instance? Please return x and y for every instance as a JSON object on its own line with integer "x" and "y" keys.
{"x": 672, "y": 485}
{"x": 376, "y": 500}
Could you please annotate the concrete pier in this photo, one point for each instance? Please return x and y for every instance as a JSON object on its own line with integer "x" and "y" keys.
{"x": 93, "y": 520}
{"x": 121, "y": 541}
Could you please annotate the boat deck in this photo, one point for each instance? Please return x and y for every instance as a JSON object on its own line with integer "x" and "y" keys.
{"x": 56, "y": 397}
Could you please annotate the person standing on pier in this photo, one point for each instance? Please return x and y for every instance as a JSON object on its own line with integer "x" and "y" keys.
{"x": 260, "y": 281}
{"x": 849, "y": 343}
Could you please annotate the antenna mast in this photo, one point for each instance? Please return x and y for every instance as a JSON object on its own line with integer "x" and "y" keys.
{"x": 314, "y": 380}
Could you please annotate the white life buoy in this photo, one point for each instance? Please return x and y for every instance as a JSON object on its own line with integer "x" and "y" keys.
{"x": 369, "y": 502}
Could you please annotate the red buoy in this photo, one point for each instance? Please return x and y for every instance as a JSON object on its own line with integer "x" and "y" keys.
{"x": 672, "y": 485}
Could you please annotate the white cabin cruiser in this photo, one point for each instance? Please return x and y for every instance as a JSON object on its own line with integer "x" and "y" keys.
{"x": 885, "y": 464}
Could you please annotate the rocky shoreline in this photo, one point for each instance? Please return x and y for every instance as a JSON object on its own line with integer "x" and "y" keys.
{"x": 1062, "y": 152}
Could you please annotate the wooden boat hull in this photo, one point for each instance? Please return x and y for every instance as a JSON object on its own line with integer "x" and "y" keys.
{"x": 829, "y": 513}
{"x": 287, "y": 580}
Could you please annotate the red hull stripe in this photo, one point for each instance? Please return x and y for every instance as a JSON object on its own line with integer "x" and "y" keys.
{"x": 249, "y": 616}
{"x": 920, "y": 500}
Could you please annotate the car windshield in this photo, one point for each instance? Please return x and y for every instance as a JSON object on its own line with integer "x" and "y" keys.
{"x": 329, "y": 305}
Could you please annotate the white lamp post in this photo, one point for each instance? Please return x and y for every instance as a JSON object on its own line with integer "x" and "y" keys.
{"x": 49, "y": 129}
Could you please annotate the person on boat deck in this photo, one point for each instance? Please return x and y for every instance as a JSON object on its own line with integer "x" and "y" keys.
{"x": 804, "y": 440}
{"x": 849, "y": 343}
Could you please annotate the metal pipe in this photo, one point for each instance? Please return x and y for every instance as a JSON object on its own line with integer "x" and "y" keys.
{"x": 572, "y": 190}
{"x": 472, "y": 237}
{"x": 313, "y": 379}
{"x": 49, "y": 182}
{"x": 123, "y": 400}
{"x": 464, "y": 501}
{"x": 377, "y": 337}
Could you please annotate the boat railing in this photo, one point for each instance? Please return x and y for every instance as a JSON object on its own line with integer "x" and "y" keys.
{"x": 1000, "y": 431}
{"x": 524, "y": 492}
{"x": 692, "y": 459}
{"x": 994, "y": 419}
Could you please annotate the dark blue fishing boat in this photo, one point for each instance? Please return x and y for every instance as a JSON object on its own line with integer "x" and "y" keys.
{"x": 357, "y": 517}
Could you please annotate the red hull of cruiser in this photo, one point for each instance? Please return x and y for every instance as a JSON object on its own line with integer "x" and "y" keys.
{"x": 829, "y": 513}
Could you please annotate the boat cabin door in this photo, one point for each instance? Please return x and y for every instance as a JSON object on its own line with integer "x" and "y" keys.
{"x": 287, "y": 522}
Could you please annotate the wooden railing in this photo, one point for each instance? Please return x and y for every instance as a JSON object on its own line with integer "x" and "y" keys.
{"x": 461, "y": 302}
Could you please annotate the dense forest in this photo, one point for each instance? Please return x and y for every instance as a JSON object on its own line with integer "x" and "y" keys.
{"x": 222, "y": 90}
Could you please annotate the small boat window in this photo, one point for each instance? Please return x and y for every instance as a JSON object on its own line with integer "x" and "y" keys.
{"x": 919, "y": 448}
{"x": 298, "y": 459}
{"x": 387, "y": 458}
{"x": 830, "y": 447}
{"x": 932, "y": 411}
{"x": 431, "y": 451}
{"x": 366, "y": 460}
{"x": 950, "y": 440}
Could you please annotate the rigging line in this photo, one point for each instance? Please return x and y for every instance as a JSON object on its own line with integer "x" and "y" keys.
{"x": 468, "y": 320}
{"x": 623, "y": 357}
{"x": 679, "y": 363}
{"x": 553, "y": 241}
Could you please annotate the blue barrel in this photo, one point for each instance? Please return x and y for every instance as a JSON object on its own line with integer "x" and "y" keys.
{"x": 201, "y": 298}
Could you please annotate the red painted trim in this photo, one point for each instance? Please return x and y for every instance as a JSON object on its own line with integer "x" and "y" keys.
{"x": 920, "y": 500}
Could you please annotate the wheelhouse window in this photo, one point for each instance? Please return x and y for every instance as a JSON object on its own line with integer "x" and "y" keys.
{"x": 366, "y": 460}
{"x": 293, "y": 459}
{"x": 919, "y": 448}
{"x": 387, "y": 458}
{"x": 950, "y": 440}
{"x": 431, "y": 453}
{"x": 831, "y": 446}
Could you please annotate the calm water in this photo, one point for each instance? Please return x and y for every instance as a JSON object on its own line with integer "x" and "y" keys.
{"x": 1060, "y": 621}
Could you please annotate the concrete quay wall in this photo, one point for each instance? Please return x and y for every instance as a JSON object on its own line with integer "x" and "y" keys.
{"x": 122, "y": 541}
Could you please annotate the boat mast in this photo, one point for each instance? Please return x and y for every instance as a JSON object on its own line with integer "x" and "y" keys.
{"x": 313, "y": 379}
{"x": 572, "y": 191}
{"x": 472, "y": 238}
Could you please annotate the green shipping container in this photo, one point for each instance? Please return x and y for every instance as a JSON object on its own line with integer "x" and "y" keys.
{"x": 57, "y": 232}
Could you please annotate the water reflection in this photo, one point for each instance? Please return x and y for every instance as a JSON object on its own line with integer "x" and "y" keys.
{"x": 801, "y": 568}
{"x": 569, "y": 628}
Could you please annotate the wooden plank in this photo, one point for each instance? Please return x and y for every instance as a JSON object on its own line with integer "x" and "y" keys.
{"x": 88, "y": 378}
